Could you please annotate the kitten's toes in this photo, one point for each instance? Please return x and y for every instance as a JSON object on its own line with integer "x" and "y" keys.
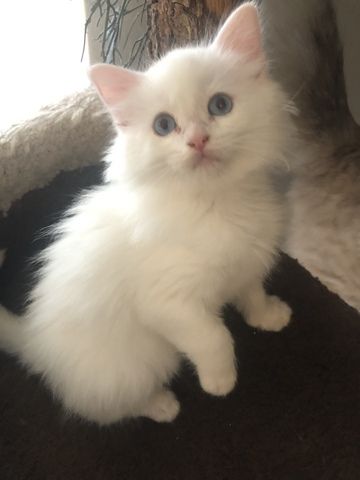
{"x": 219, "y": 384}
{"x": 274, "y": 318}
{"x": 162, "y": 407}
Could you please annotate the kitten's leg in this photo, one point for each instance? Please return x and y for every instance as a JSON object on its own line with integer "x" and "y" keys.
{"x": 206, "y": 342}
{"x": 162, "y": 406}
{"x": 263, "y": 311}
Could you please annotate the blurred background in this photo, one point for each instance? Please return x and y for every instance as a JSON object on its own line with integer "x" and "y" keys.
{"x": 44, "y": 52}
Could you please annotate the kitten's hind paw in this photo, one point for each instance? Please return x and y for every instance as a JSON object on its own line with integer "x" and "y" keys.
{"x": 163, "y": 406}
{"x": 219, "y": 384}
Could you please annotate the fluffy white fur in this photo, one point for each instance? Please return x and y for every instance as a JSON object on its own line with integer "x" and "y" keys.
{"x": 142, "y": 265}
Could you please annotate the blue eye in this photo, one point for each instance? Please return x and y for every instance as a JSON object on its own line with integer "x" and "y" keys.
{"x": 164, "y": 124}
{"x": 220, "y": 104}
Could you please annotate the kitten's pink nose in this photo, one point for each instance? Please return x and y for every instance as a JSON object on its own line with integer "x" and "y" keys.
{"x": 198, "y": 141}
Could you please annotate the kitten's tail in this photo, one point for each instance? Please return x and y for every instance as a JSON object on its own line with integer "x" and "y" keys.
{"x": 11, "y": 332}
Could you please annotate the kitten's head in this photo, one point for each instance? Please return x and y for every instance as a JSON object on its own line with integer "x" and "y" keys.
{"x": 204, "y": 113}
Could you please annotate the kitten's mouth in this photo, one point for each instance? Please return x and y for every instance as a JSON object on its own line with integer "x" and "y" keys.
{"x": 204, "y": 160}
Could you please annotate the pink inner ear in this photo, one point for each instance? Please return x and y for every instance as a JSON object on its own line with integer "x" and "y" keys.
{"x": 114, "y": 84}
{"x": 241, "y": 33}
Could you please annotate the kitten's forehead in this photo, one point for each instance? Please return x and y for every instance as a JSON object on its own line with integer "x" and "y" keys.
{"x": 190, "y": 69}
{"x": 181, "y": 60}
{"x": 183, "y": 81}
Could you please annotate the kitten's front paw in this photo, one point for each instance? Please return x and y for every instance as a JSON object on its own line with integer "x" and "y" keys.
{"x": 219, "y": 384}
{"x": 274, "y": 318}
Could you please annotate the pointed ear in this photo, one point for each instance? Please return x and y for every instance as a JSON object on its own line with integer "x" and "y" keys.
{"x": 113, "y": 85}
{"x": 241, "y": 33}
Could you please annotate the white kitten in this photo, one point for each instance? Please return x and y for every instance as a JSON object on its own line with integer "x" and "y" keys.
{"x": 188, "y": 222}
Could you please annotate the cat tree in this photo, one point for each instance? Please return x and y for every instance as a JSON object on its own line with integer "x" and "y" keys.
{"x": 131, "y": 32}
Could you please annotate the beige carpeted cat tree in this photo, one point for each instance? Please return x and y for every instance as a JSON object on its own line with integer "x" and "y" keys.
{"x": 64, "y": 136}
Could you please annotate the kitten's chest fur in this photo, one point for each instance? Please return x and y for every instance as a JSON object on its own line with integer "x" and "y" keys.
{"x": 211, "y": 244}
{"x": 249, "y": 214}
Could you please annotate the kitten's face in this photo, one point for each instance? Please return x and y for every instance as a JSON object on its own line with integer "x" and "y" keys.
{"x": 202, "y": 112}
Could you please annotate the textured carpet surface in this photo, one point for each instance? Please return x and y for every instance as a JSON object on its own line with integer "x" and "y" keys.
{"x": 70, "y": 134}
{"x": 294, "y": 414}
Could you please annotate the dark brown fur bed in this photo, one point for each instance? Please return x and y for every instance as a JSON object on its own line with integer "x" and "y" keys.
{"x": 294, "y": 414}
